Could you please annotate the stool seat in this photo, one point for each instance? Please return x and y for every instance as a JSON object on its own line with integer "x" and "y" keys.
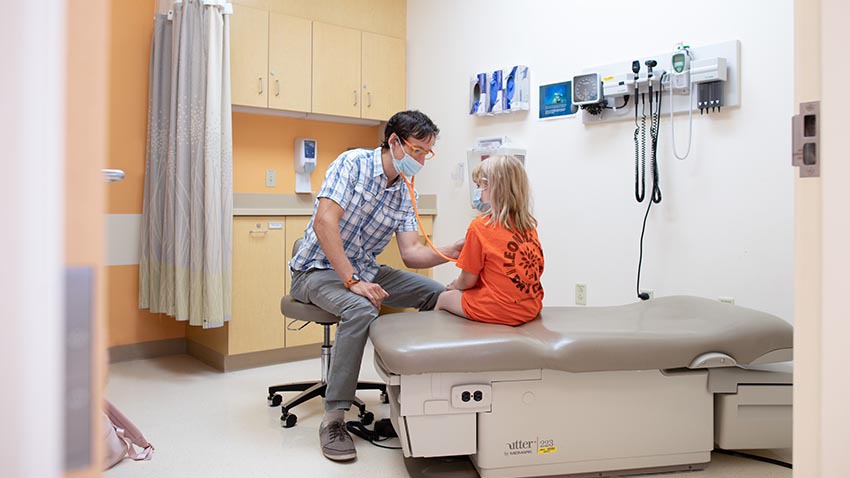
{"x": 306, "y": 312}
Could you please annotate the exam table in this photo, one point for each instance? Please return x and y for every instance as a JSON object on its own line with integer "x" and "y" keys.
{"x": 650, "y": 386}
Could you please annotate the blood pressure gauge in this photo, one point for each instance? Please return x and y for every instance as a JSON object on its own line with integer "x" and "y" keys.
{"x": 587, "y": 89}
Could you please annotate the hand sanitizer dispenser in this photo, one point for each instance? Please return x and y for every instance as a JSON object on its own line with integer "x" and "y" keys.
{"x": 305, "y": 163}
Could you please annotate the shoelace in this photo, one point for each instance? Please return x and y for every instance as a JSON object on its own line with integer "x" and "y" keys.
{"x": 336, "y": 430}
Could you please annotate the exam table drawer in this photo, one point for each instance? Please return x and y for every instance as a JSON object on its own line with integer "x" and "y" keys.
{"x": 757, "y": 417}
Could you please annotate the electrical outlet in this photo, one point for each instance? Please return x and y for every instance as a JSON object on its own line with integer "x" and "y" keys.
{"x": 649, "y": 292}
{"x": 472, "y": 396}
{"x": 581, "y": 294}
{"x": 271, "y": 178}
{"x": 727, "y": 300}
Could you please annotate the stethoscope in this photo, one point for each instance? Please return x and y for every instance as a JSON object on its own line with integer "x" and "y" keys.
{"x": 409, "y": 183}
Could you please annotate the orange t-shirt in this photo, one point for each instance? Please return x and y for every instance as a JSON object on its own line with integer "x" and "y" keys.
{"x": 509, "y": 266}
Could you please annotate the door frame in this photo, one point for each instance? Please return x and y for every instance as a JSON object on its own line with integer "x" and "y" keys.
{"x": 822, "y": 254}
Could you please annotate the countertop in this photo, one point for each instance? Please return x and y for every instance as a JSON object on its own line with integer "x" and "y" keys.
{"x": 251, "y": 204}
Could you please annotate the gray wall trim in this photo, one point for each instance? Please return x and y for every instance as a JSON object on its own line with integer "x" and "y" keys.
{"x": 232, "y": 363}
{"x": 146, "y": 350}
{"x": 271, "y": 357}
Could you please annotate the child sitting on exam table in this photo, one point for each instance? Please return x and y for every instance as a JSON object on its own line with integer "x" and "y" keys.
{"x": 501, "y": 261}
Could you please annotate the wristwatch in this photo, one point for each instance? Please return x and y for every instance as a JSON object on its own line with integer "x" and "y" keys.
{"x": 353, "y": 280}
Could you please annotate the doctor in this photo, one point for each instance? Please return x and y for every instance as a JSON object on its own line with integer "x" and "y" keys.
{"x": 362, "y": 202}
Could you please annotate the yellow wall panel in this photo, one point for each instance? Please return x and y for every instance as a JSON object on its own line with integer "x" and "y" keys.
{"x": 268, "y": 142}
{"x": 130, "y": 49}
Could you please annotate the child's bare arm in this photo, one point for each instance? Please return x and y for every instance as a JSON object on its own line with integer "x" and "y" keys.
{"x": 464, "y": 281}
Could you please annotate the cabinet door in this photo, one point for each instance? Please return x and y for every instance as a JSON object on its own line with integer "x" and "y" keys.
{"x": 383, "y": 73}
{"x": 392, "y": 257}
{"x": 258, "y": 284}
{"x": 312, "y": 333}
{"x": 290, "y": 62}
{"x": 336, "y": 70}
{"x": 249, "y": 58}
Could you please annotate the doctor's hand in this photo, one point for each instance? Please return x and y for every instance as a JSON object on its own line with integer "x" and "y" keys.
{"x": 374, "y": 292}
{"x": 454, "y": 249}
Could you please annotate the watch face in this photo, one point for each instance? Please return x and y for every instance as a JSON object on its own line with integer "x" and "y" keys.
{"x": 355, "y": 277}
{"x": 586, "y": 88}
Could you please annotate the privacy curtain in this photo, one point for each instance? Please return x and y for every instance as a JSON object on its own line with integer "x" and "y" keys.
{"x": 186, "y": 231}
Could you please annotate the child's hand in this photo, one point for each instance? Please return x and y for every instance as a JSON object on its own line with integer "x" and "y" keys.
{"x": 451, "y": 286}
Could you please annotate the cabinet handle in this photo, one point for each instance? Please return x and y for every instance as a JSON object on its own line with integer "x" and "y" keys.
{"x": 260, "y": 80}
{"x": 258, "y": 230}
{"x": 368, "y": 99}
{"x": 277, "y": 87}
{"x": 355, "y": 97}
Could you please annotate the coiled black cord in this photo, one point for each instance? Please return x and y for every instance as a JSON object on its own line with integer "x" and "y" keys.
{"x": 640, "y": 150}
{"x": 654, "y": 129}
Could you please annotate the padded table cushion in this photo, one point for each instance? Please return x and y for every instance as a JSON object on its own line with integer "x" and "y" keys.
{"x": 662, "y": 333}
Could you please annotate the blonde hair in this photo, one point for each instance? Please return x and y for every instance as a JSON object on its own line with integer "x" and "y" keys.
{"x": 510, "y": 195}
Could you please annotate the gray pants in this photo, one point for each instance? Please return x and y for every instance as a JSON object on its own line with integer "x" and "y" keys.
{"x": 325, "y": 289}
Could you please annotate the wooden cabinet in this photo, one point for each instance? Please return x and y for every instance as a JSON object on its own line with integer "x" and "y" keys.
{"x": 257, "y": 333}
{"x": 249, "y": 56}
{"x": 270, "y": 60}
{"x": 290, "y": 75}
{"x": 288, "y": 63}
{"x": 357, "y": 74}
{"x": 392, "y": 257}
{"x": 312, "y": 333}
{"x": 336, "y": 70}
{"x": 259, "y": 280}
{"x": 383, "y": 76}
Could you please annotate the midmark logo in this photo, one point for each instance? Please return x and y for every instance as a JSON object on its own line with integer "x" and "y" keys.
{"x": 530, "y": 447}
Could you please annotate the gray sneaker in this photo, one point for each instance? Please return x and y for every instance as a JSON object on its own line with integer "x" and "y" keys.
{"x": 336, "y": 442}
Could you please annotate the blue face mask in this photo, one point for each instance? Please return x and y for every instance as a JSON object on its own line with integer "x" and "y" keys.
{"x": 477, "y": 203}
{"x": 407, "y": 166}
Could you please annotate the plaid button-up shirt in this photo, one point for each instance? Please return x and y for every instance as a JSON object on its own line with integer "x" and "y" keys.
{"x": 372, "y": 212}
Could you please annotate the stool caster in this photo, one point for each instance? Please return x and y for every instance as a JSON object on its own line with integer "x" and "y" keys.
{"x": 288, "y": 420}
{"x": 274, "y": 400}
{"x": 367, "y": 418}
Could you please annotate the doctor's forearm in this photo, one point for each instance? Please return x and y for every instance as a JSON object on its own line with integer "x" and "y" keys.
{"x": 331, "y": 242}
{"x": 423, "y": 257}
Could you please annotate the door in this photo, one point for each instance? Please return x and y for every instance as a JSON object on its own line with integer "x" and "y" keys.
{"x": 822, "y": 235}
{"x": 336, "y": 70}
{"x": 290, "y": 62}
{"x": 383, "y": 73}
{"x": 249, "y": 57}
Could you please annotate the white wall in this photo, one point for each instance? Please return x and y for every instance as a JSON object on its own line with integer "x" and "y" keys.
{"x": 32, "y": 132}
{"x": 724, "y": 227}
